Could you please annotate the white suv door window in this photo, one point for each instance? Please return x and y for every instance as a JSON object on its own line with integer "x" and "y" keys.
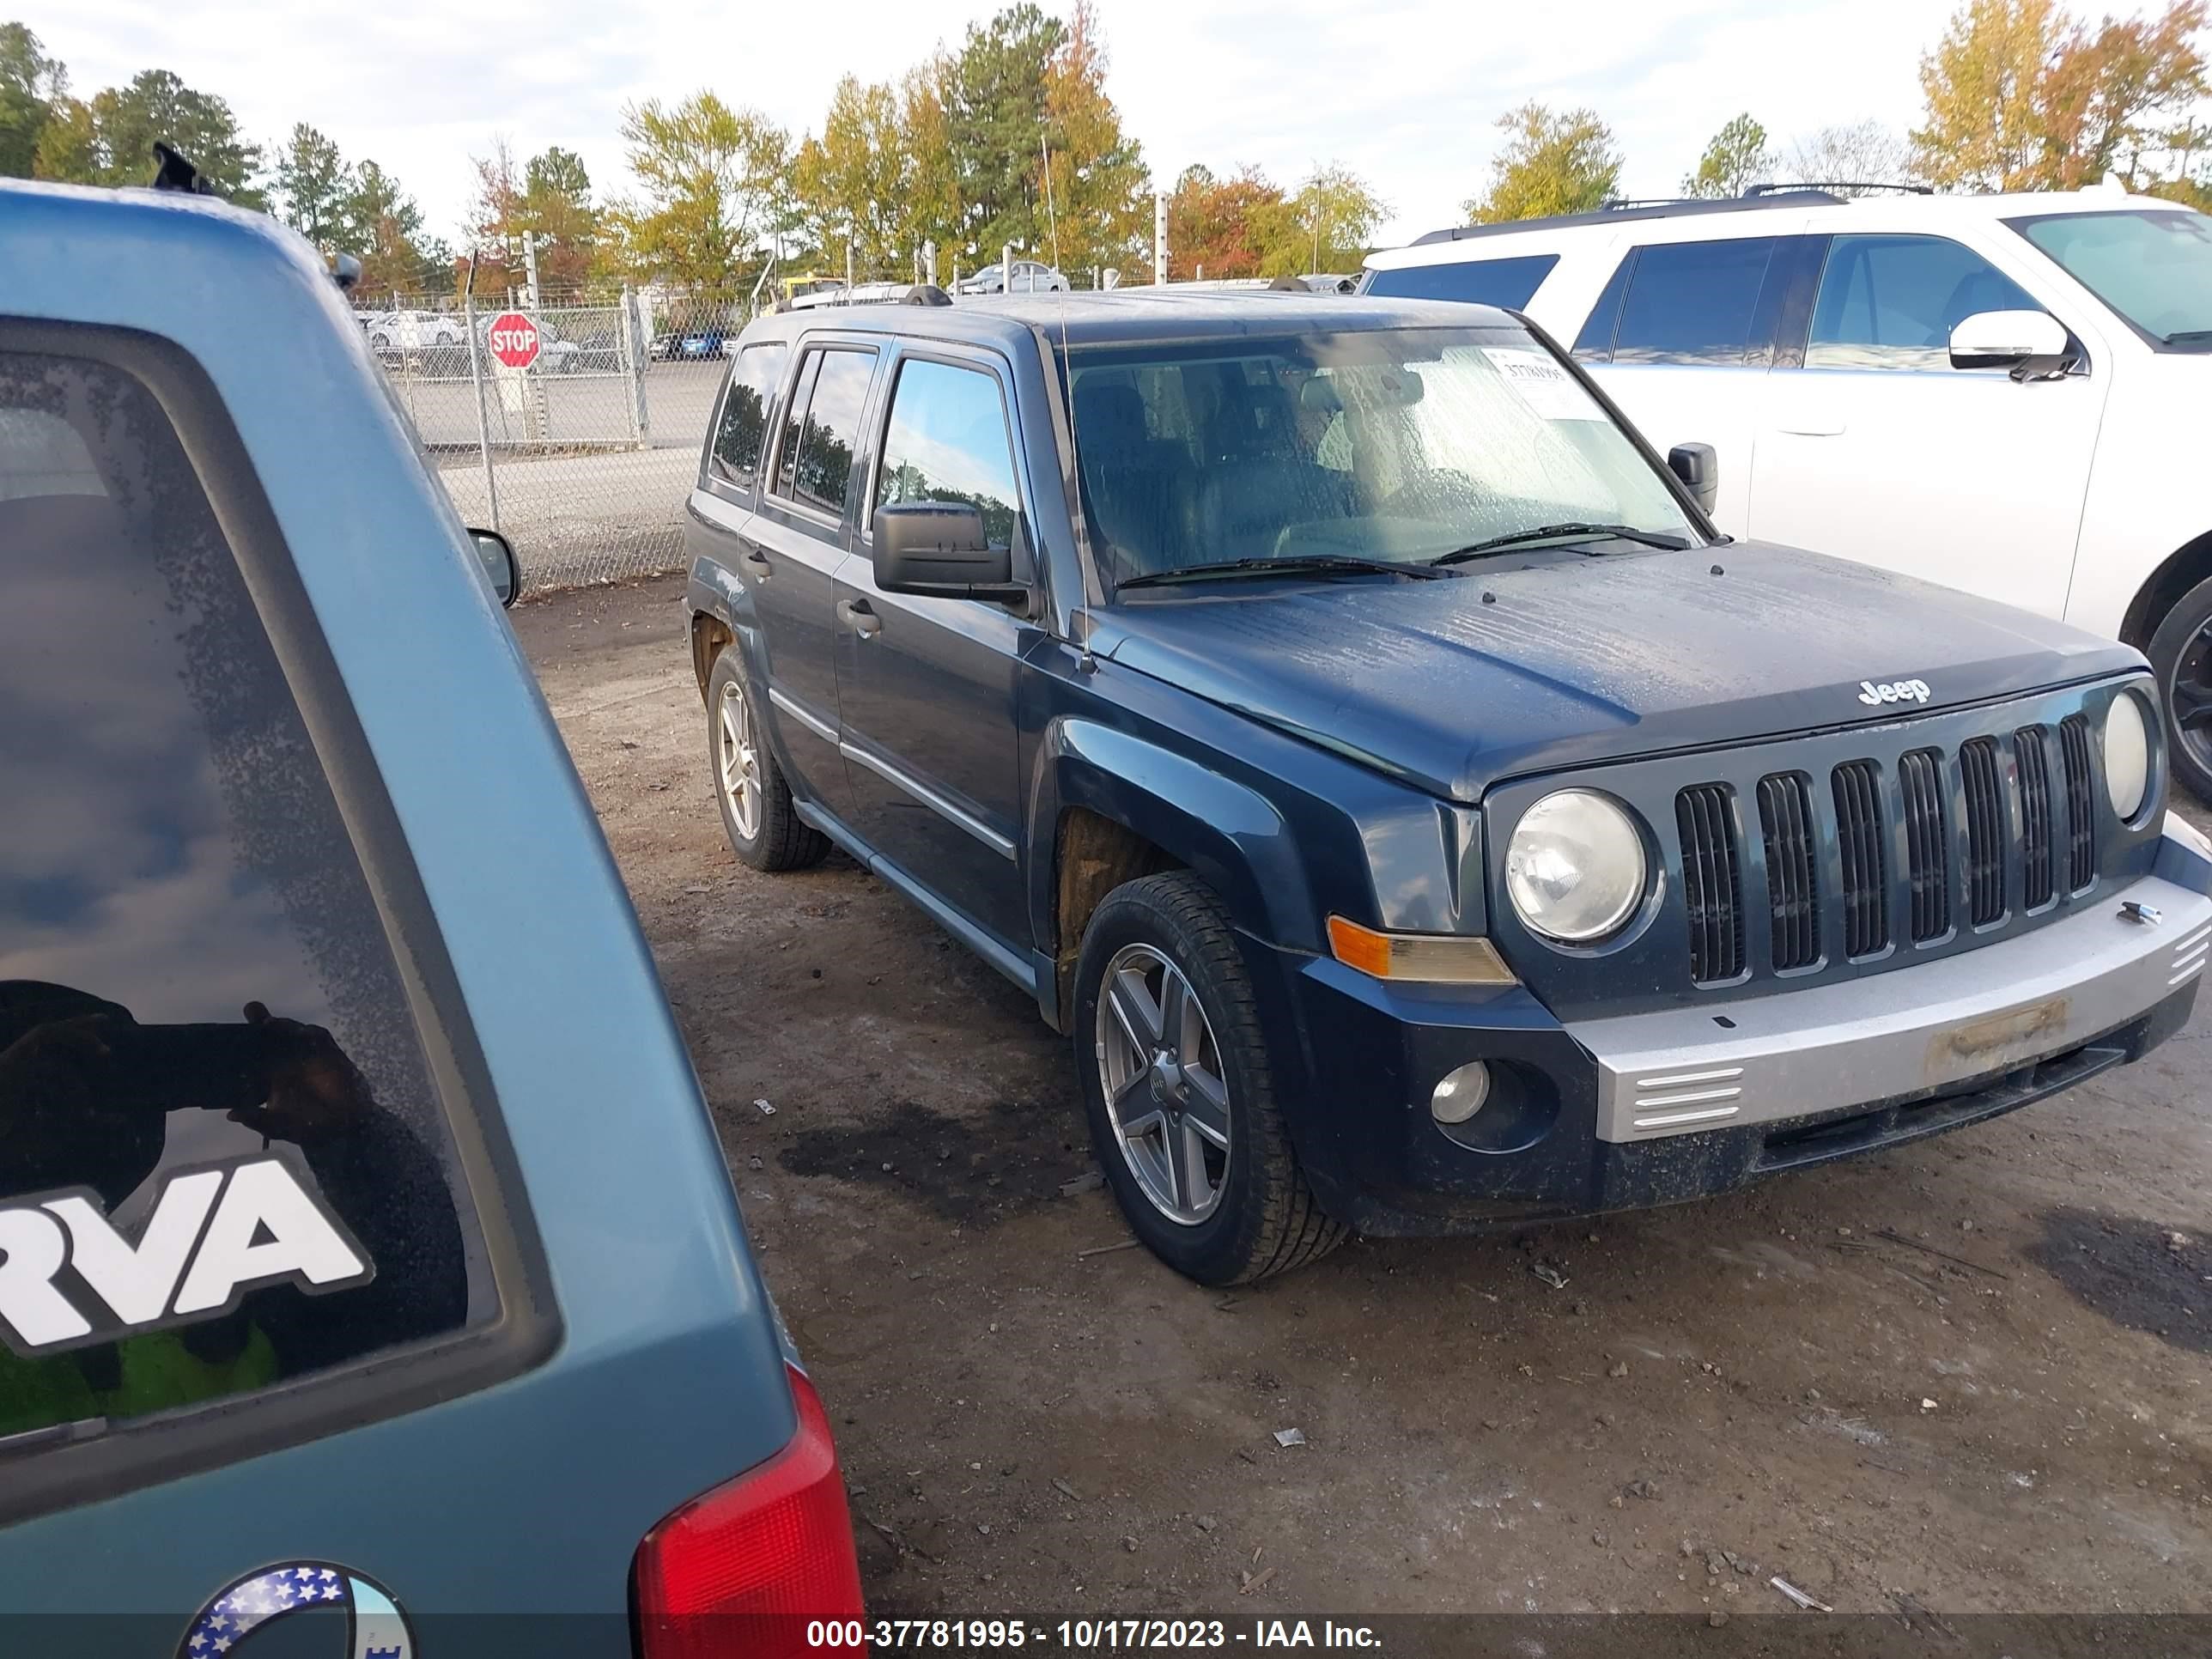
{"x": 1892, "y": 301}
{"x": 1694, "y": 302}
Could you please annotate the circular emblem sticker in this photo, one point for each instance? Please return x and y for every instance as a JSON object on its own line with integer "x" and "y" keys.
{"x": 357, "y": 1617}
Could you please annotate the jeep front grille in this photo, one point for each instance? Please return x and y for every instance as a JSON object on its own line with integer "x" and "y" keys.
{"x": 1712, "y": 881}
{"x": 1792, "y": 888}
{"x": 1985, "y": 830}
{"x": 2027, "y": 744}
{"x": 1927, "y": 848}
{"x": 1859, "y": 839}
{"x": 2081, "y": 819}
{"x": 1905, "y": 848}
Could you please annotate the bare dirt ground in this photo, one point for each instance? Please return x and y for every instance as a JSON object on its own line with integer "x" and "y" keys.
{"x": 1970, "y": 1375}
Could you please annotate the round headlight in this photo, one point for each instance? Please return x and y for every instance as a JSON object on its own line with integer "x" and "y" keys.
{"x": 1574, "y": 868}
{"x": 2127, "y": 754}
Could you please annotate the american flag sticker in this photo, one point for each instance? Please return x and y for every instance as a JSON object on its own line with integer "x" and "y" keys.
{"x": 375, "y": 1627}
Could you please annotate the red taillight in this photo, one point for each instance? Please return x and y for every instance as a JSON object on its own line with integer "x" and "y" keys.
{"x": 747, "y": 1567}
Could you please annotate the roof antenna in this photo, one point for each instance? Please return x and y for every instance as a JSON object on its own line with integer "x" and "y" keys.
{"x": 1084, "y": 662}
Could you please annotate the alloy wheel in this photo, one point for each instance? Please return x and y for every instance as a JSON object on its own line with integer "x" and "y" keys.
{"x": 1166, "y": 1093}
{"x": 2189, "y": 697}
{"x": 737, "y": 761}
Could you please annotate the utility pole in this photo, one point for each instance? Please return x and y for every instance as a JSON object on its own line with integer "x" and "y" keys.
{"x": 1159, "y": 239}
{"x": 529, "y": 268}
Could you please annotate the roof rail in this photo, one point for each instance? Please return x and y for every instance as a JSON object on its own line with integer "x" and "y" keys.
{"x": 870, "y": 294}
{"x": 1794, "y": 196}
{"x": 1832, "y": 184}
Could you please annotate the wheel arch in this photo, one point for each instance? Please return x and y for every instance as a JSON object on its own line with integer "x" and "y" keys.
{"x": 2181, "y": 570}
{"x": 1113, "y": 805}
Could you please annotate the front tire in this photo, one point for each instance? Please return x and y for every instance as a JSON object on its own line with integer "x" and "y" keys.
{"x": 1179, "y": 1090}
{"x": 758, "y": 814}
{"x": 2181, "y": 655}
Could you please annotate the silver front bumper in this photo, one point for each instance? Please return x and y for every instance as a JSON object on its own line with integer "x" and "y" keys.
{"x": 1857, "y": 1042}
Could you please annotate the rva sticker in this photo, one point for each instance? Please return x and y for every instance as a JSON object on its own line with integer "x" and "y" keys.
{"x": 1543, "y": 385}
{"x": 351, "y": 1616}
{"x": 69, "y": 1278}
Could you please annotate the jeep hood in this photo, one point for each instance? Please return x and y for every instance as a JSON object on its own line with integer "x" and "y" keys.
{"x": 1454, "y": 685}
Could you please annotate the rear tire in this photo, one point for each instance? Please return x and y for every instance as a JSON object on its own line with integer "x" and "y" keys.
{"x": 758, "y": 814}
{"x": 1221, "y": 1215}
{"x": 2181, "y": 655}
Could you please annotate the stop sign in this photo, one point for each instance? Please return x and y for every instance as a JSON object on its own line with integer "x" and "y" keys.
{"x": 514, "y": 339}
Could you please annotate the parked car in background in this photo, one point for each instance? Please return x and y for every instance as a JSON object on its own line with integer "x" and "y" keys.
{"x": 1367, "y": 751}
{"x": 1030, "y": 278}
{"x": 2002, "y": 393}
{"x": 400, "y": 336}
{"x": 326, "y": 1273}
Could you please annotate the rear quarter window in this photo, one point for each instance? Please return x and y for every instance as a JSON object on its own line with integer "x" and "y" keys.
{"x": 742, "y": 430}
{"x": 1508, "y": 283}
{"x": 224, "y": 1164}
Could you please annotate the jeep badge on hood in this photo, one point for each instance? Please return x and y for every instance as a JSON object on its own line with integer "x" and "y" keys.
{"x": 1893, "y": 691}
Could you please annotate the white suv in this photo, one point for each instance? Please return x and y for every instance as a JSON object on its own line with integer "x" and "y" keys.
{"x": 2004, "y": 393}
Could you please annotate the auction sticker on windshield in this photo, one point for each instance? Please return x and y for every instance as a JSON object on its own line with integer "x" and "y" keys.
{"x": 1543, "y": 385}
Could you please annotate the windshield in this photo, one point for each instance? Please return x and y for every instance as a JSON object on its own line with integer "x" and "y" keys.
{"x": 1399, "y": 445}
{"x": 2153, "y": 267}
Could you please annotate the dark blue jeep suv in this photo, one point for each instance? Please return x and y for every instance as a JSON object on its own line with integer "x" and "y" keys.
{"x": 1362, "y": 746}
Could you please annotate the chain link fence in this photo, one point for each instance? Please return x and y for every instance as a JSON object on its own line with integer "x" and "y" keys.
{"x": 583, "y": 449}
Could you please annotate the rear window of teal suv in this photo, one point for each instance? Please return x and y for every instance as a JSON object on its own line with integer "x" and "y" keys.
{"x": 367, "y": 1259}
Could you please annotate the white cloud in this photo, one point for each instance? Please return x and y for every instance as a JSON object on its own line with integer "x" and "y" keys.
{"x": 1404, "y": 91}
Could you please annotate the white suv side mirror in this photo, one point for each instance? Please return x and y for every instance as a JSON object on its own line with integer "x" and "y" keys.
{"x": 1999, "y": 339}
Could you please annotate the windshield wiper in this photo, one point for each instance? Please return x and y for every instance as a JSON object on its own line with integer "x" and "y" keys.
{"x": 2189, "y": 336}
{"x": 1322, "y": 564}
{"x": 1550, "y": 531}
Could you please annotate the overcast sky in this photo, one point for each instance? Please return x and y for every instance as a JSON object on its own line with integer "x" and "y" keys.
{"x": 1403, "y": 91}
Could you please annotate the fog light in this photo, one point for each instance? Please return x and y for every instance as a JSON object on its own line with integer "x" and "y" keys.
{"x": 1461, "y": 1093}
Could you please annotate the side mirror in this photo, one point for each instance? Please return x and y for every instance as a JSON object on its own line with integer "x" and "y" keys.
{"x": 497, "y": 555}
{"x": 2003, "y": 339}
{"x": 940, "y": 548}
{"x": 1700, "y": 469}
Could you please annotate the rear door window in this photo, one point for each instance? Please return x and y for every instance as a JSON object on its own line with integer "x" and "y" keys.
{"x": 1692, "y": 302}
{"x": 820, "y": 446}
{"x": 1892, "y": 301}
{"x": 742, "y": 429}
{"x": 1509, "y": 282}
{"x": 224, "y": 1163}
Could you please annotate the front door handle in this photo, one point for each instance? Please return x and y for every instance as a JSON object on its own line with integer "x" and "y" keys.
{"x": 860, "y": 616}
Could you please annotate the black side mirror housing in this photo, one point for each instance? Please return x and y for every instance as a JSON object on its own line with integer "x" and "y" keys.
{"x": 1700, "y": 469}
{"x": 501, "y": 567}
{"x": 940, "y": 548}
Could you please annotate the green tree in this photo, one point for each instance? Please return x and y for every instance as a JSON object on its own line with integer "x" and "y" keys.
{"x": 2104, "y": 90}
{"x": 1736, "y": 158}
{"x": 1981, "y": 127}
{"x": 1552, "y": 163}
{"x": 1327, "y": 225}
{"x": 109, "y": 139}
{"x": 852, "y": 182}
{"x": 31, "y": 83}
{"x": 995, "y": 107}
{"x": 713, "y": 179}
{"x": 556, "y": 208}
{"x": 2020, "y": 95}
{"x": 114, "y": 140}
{"x": 315, "y": 188}
{"x": 384, "y": 227}
{"x": 1215, "y": 226}
{"x": 1100, "y": 189}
